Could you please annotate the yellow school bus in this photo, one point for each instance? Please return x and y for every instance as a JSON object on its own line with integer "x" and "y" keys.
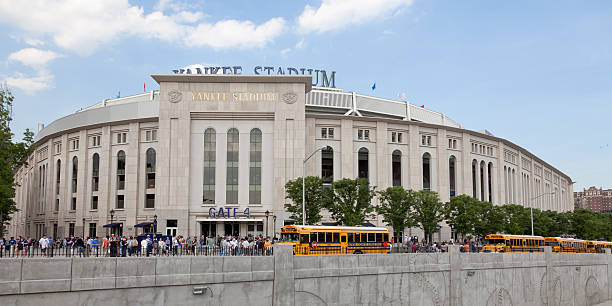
{"x": 567, "y": 245}
{"x": 598, "y": 246}
{"x": 326, "y": 240}
{"x": 501, "y": 243}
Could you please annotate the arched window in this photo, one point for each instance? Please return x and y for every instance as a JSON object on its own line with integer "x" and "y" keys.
{"x": 482, "y": 181}
{"x": 150, "y": 174}
{"x": 210, "y": 163}
{"x": 75, "y": 172}
{"x": 58, "y": 172}
{"x": 513, "y": 177}
{"x": 452, "y": 164}
{"x": 150, "y": 168}
{"x": 95, "y": 172}
{"x": 474, "y": 178}
{"x": 506, "y": 184}
{"x": 327, "y": 165}
{"x": 121, "y": 170}
{"x": 231, "y": 193}
{"x": 426, "y": 171}
{"x": 363, "y": 163}
{"x": 255, "y": 167}
{"x": 489, "y": 170}
{"x": 396, "y": 167}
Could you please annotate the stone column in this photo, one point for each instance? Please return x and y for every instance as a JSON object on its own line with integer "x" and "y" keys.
{"x": 284, "y": 278}
{"x": 549, "y": 271}
{"x": 455, "y": 276}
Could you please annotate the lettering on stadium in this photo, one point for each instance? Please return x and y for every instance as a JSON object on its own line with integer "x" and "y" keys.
{"x": 319, "y": 77}
{"x": 233, "y": 97}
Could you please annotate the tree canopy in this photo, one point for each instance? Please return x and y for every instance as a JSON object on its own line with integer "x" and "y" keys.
{"x": 12, "y": 156}
{"x": 350, "y": 202}
{"x": 395, "y": 207}
{"x": 316, "y": 196}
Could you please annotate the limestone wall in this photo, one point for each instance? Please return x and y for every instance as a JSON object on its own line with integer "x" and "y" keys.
{"x": 396, "y": 279}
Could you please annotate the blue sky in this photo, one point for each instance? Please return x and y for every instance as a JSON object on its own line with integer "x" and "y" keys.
{"x": 534, "y": 72}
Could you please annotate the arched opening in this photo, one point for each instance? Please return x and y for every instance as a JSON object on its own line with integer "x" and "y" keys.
{"x": 150, "y": 168}
{"x": 255, "y": 167}
{"x": 150, "y": 174}
{"x": 474, "y": 180}
{"x": 452, "y": 164}
{"x": 95, "y": 172}
{"x": 426, "y": 171}
{"x": 505, "y": 185}
{"x": 396, "y": 168}
{"x": 363, "y": 163}
{"x": 210, "y": 159}
{"x": 121, "y": 170}
{"x": 327, "y": 165}
{"x": 58, "y": 173}
{"x": 231, "y": 191}
{"x": 482, "y": 181}
{"x": 75, "y": 173}
{"x": 489, "y": 176}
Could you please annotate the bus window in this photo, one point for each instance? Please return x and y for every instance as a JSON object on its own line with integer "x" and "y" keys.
{"x": 328, "y": 237}
{"x": 342, "y": 239}
{"x": 371, "y": 237}
{"x": 321, "y": 237}
{"x": 336, "y": 237}
{"x": 386, "y": 237}
{"x": 350, "y": 237}
{"x": 379, "y": 237}
{"x": 313, "y": 236}
{"x": 304, "y": 238}
{"x": 364, "y": 237}
{"x": 357, "y": 237}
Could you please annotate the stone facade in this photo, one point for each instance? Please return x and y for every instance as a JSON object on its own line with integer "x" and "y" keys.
{"x": 388, "y": 142}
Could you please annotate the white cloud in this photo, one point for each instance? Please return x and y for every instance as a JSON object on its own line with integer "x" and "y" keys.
{"x": 34, "y": 42}
{"x": 300, "y": 44}
{"x": 30, "y": 84}
{"x": 285, "y": 51}
{"x": 83, "y": 26}
{"x": 338, "y": 14}
{"x": 235, "y": 33}
{"x": 33, "y": 57}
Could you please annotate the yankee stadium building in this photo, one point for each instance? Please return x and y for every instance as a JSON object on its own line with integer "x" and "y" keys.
{"x": 210, "y": 153}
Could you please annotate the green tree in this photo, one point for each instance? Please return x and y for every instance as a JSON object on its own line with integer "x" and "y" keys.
{"x": 316, "y": 195}
{"x": 428, "y": 212}
{"x": 351, "y": 201}
{"x": 461, "y": 213}
{"x": 517, "y": 221}
{"x": 586, "y": 224}
{"x": 395, "y": 205}
{"x": 489, "y": 219}
{"x": 12, "y": 156}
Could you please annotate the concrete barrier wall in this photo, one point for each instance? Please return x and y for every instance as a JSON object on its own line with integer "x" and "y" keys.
{"x": 396, "y": 279}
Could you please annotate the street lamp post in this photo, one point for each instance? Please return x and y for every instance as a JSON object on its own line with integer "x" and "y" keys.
{"x": 267, "y": 215}
{"x": 304, "y": 183}
{"x": 112, "y": 213}
{"x": 274, "y": 226}
{"x": 531, "y": 208}
{"x": 155, "y": 224}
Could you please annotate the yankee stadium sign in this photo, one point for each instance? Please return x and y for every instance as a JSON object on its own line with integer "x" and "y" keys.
{"x": 319, "y": 77}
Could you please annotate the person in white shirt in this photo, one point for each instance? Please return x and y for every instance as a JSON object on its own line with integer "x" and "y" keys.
{"x": 143, "y": 247}
{"x": 44, "y": 244}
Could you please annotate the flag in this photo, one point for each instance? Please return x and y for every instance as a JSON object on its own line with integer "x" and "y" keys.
{"x": 401, "y": 96}
{"x": 119, "y": 94}
{"x": 374, "y": 86}
{"x": 423, "y": 106}
{"x": 144, "y": 87}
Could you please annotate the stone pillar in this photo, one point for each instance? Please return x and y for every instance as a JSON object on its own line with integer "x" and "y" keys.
{"x": 549, "y": 277}
{"x": 284, "y": 281}
{"x": 455, "y": 276}
{"x": 609, "y": 256}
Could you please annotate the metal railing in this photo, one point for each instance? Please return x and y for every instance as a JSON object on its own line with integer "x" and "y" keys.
{"x": 101, "y": 251}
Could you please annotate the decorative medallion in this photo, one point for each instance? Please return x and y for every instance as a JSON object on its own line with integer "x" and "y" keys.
{"x": 290, "y": 97}
{"x": 174, "y": 96}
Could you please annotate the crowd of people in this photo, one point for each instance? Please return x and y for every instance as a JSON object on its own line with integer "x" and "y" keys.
{"x": 145, "y": 245}
{"x": 412, "y": 245}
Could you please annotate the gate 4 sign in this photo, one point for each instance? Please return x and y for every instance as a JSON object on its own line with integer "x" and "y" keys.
{"x": 227, "y": 212}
